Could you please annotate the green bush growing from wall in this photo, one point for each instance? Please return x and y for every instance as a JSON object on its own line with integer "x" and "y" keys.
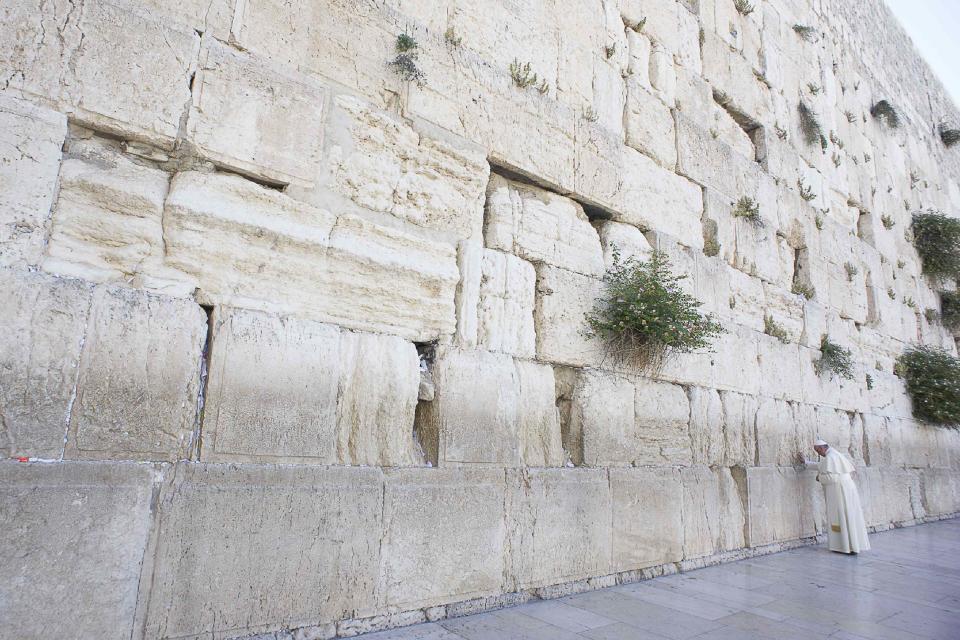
{"x": 932, "y": 376}
{"x": 937, "y": 239}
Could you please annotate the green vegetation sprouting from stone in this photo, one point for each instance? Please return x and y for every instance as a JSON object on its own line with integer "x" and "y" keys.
{"x": 932, "y": 376}
{"x": 887, "y": 221}
{"x": 818, "y": 222}
{"x": 937, "y": 239}
{"x": 810, "y": 126}
{"x": 771, "y": 328}
{"x": 405, "y": 62}
{"x": 869, "y": 381}
{"x": 609, "y": 50}
{"x": 886, "y": 113}
{"x": 851, "y": 270}
{"x": 950, "y": 309}
{"x": 805, "y": 192}
{"x": 743, "y": 7}
{"x": 814, "y": 88}
{"x": 523, "y": 76}
{"x": 748, "y": 209}
{"x": 639, "y": 25}
{"x": 802, "y": 289}
{"x": 451, "y": 38}
{"x": 805, "y": 32}
{"x": 948, "y": 135}
{"x": 834, "y": 359}
{"x": 644, "y": 316}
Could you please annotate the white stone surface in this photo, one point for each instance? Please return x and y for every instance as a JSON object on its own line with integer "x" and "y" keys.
{"x": 505, "y": 311}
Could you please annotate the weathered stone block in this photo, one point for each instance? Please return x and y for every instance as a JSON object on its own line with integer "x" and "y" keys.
{"x": 30, "y": 141}
{"x": 444, "y": 536}
{"x": 647, "y": 517}
{"x": 107, "y": 223}
{"x": 706, "y": 426}
{"x": 241, "y": 116}
{"x": 540, "y": 226}
{"x": 505, "y": 311}
{"x": 312, "y": 556}
{"x": 474, "y": 416}
{"x": 44, "y": 322}
{"x": 662, "y": 418}
{"x": 139, "y": 377}
{"x": 714, "y": 510}
{"x": 563, "y": 300}
{"x": 649, "y": 126}
{"x": 774, "y": 498}
{"x": 739, "y": 429}
{"x": 622, "y": 239}
{"x": 540, "y": 438}
{"x": 381, "y": 163}
{"x": 252, "y": 247}
{"x": 74, "y": 537}
{"x": 603, "y": 413}
{"x": 558, "y": 523}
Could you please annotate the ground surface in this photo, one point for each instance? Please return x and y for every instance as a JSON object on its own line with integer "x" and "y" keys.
{"x": 908, "y": 587}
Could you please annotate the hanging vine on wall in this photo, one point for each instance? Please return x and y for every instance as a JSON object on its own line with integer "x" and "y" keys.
{"x": 937, "y": 239}
{"x": 932, "y": 376}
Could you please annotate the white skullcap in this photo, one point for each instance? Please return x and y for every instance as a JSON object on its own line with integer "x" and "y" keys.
{"x": 820, "y": 443}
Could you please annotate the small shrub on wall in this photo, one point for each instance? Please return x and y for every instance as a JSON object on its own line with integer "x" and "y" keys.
{"x": 644, "y": 316}
{"x": 937, "y": 239}
{"x": 932, "y": 377}
{"x": 950, "y": 309}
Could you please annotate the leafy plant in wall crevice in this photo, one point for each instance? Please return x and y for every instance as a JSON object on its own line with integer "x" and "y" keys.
{"x": 644, "y": 316}
{"x": 834, "y": 359}
{"x": 937, "y": 239}
{"x": 932, "y": 377}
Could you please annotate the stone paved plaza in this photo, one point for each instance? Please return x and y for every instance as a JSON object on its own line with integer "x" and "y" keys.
{"x": 907, "y": 587}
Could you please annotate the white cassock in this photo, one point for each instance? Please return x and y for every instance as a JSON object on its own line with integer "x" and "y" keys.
{"x": 846, "y": 530}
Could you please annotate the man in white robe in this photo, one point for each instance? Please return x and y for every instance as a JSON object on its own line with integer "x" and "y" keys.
{"x": 846, "y": 530}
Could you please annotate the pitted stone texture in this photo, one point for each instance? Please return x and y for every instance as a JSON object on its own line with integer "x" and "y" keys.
{"x": 73, "y": 528}
{"x": 564, "y": 298}
{"x": 30, "y": 141}
{"x": 474, "y": 416}
{"x": 558, "y": 523}
{"x": 254, "y": 117}
{"x": 540, "y": 226}
{"x": 505, "y": 312}
{"x": 381, "y": 163}
{"x": 540, "y": 437}
{"x": 444, "y": 536}
{"x": 139, "y": 378}
{"x": 714, "y": 513}
{"x": 775, "y": 498}
{"x": 76, "y": 68}
{"x": 226, "y": 232}
{"x": 107, "y": 223}
{"x": 292, "y": 390}
{"x": 647, "y": 517}
{"x": 44, "y": 321}
{"x": 311, "y": 557}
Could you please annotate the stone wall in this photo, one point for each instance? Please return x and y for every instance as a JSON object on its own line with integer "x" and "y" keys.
{"x": 291, "y": 343}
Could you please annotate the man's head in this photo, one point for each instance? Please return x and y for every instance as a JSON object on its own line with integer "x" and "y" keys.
{"x": 820, "y": 447}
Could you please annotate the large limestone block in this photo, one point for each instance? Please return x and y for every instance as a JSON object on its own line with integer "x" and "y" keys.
{"x": 649, "y": 126}
{"x": 30, "y": 141}
{"x": 671, "y": 24}
{"x": 707, "y": 442}
{"x": 662, "y": 419}
{"x": 712, "y": 163}
{"x": 378, "y": 400}
{"x": 284, "y": 389}
{"x": 735, "y": 77}
{"x": 382, "y": 163}
{"x": 444, "y": 536}
{"x": 889, "y": 495}
{"x": 44, "y": 321}
{"x": 558, "y": 524}
{"x": 541, "y": 442}
{"x": 474, "y": 416}
{"x": 779, "y": 440}
{"x": 739, "y": 429}
{"x": 602, "y": 411}
{"x": 774, "y": 498}
{"x": 941, "y": 492}
{"x": 107, "y": 223}
{"x": 74, "y": 537}
{"x": 272, "y": 389}
{"x": 541, "y": 227}
{"x": 87, "y": 66}
{"x": 254, "y": 117}
{"x": 647, "y": 517}
{"x": 505, "y": 311}
{"x": 244, "y": 549}
{"x": 623, "y": 241}
{"x": 714, "y": 510}
{"x": 139, "y": 377}
{"x": 564, "y": 298}
{"x": 253, "y": 247}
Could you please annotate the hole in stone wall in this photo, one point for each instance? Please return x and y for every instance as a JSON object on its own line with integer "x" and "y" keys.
{"x": 570, "y": 432}
{"x": 197, "y": 444}
{"x": 426, "y": 430}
